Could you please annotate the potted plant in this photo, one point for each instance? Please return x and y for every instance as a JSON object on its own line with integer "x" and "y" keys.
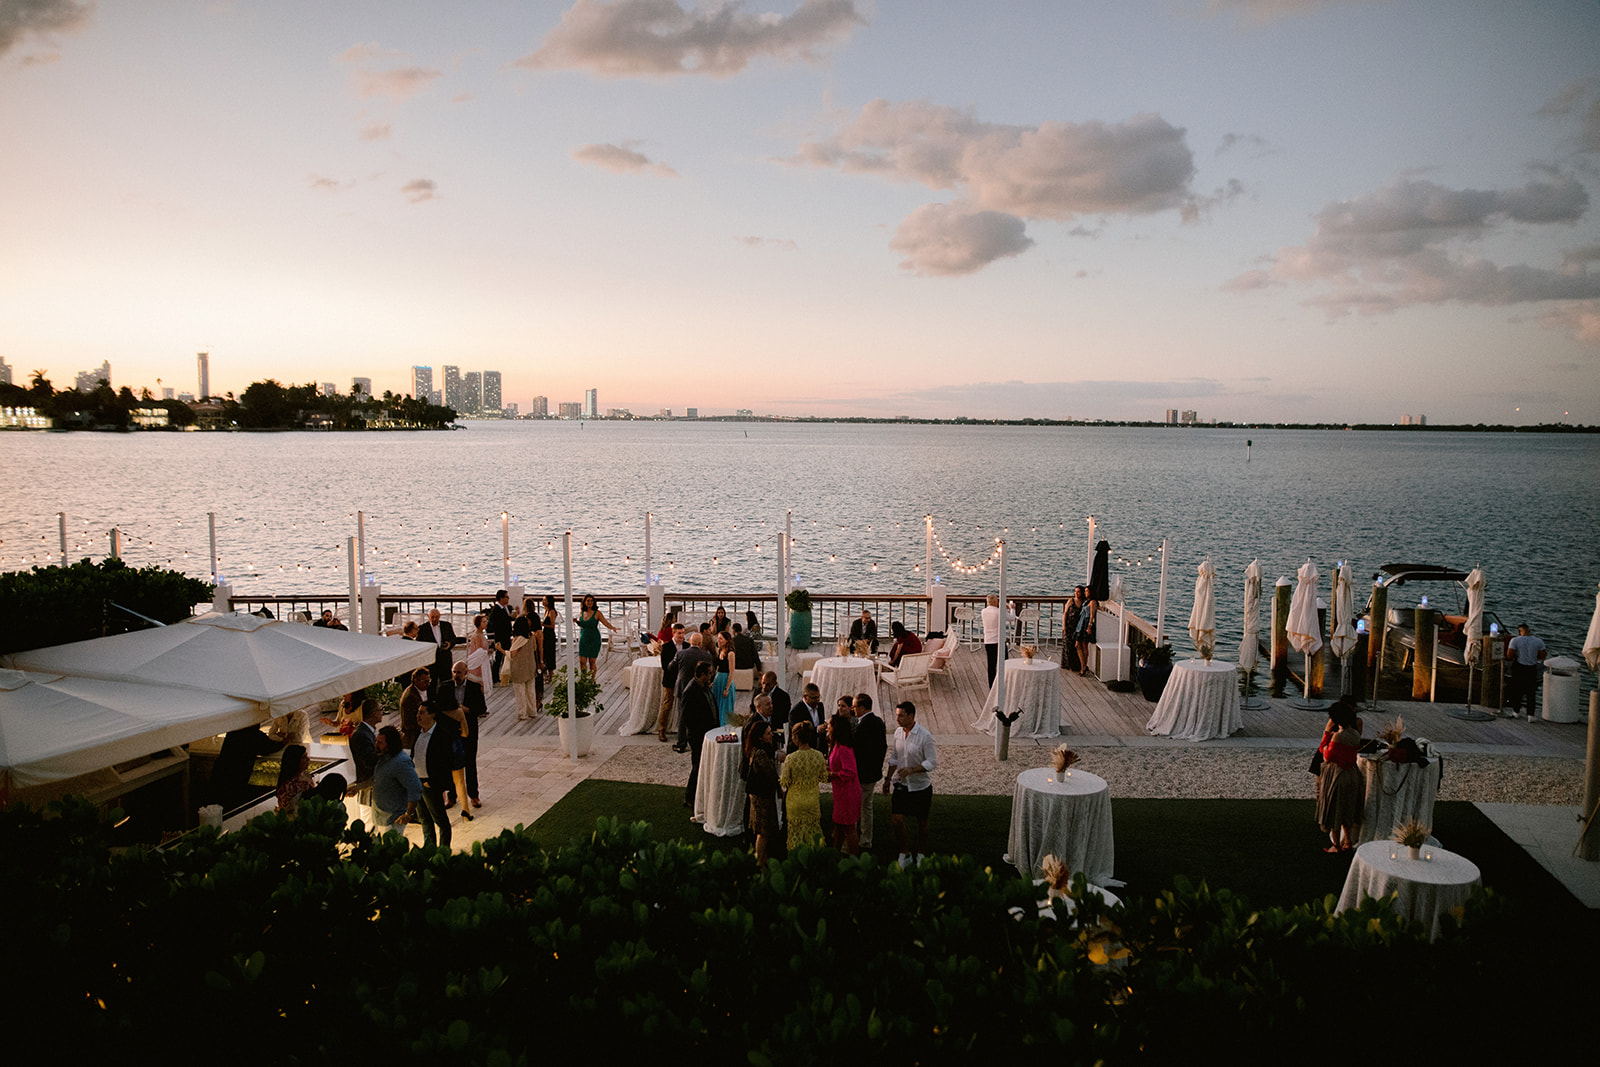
{"x": 1155, "y": 666}
{"x": 587, "y": 693}
{"x": 799, "y": 603}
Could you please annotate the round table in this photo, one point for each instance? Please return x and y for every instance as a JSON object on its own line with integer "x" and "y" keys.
{"x": 1427, "y": 889}
{"x": 1033, "y": 687}
{"x": 837, "y": 677}
{"x": 1069, "y": 818}
{"x": 1200, "y": 702}
{"x": 644, "y": 695}
{"x": 719, "y": 795}
{"x": 1396, "y": 792}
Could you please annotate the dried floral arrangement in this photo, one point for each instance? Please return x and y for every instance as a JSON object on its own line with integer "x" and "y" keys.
{"x": 1056, "y": 874}
{"x": 1412, "y": 833}
{"x": 1392, "y": 735}
{"x": 1063, "y": 757}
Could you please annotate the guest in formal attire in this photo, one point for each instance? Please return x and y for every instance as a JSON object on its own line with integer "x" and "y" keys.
{"x": 809, "y": 710}
{"x": 688, "y": 661}
{"x": 723, "y": 687}
{"x": 294, "y": 778}
{"x": 698, "y": 714}
{"x": 1069, "y": 630}
{"x": 846, "y": 786}
{"x": 994, "y": 636}
{"x": 396, "y": 789}
{"x": 906, "y": 643}
{"x": 461, "y": 701}
{"x": 803, "y": 771}
{"x": 590, "y": 619}
{"x": 1341, "y": 787}
{"x": 364, "y": 754}
{"x": 669, "y": 678}
{"x": 1084, "y": 638}
{"x": 865, "y": 629}
{"x": 752, "y": 626}
{"x": 746, "y": 656}
{"x": 499, "y": 631}
{"x": 761, "y": 784}
{"x": 432, "y": 756}
{"x": 664, "y": 634}
{"x": 417, "y": 694}
{"x": 719, "y": 621}
{"x": 870, "y": 741}
{"x": 551, "y": 617}
{"x": 912, "y": 758}
{"x": 526, "y": 668}
{"x": 778, "y": 697}
{"x": 440, "y": 633}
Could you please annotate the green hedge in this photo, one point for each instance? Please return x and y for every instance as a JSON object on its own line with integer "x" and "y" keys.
{"x": 307, "y": 941}
{"x": 48, "y": 606}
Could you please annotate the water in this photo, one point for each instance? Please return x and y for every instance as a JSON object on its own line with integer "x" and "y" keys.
{"x": 1522, "y": 506}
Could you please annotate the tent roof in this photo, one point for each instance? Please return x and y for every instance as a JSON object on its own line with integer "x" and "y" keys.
{"x": 282, "y": 666}
{"x": 53, "y": 728}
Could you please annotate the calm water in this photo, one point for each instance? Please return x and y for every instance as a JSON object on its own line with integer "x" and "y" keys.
{"x": 1524, "y": 507}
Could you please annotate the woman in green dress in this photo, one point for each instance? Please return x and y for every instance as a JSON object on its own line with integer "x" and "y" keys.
{"x": 590, "y": 619}
{"x": 803, "y": 771}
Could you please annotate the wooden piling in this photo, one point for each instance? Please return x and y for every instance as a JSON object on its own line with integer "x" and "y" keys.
{"x": 1377, "y": 624}
{"x": 1280, "y": 637}
{"x": 1422, "y": 660}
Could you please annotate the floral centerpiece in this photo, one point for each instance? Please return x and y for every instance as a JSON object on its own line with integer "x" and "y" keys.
{"x": 1029, "y": 651}
{"x": 1057, "y": 876}
{"x": 1412, "y": 834}
{"x": 1062, "y": 759}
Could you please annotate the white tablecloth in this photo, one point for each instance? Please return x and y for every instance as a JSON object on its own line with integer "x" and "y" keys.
{"x": 719, "y": 794}
{"x": 844, "y": 677}
{"x": 644, "y": 695}
{"x": 1200, "y": 702}
{"x": 1032, "y": 687}
{"x": 1069, "y": 818}
{"x": 1396, "y": 792}
{"x": 1428, "y": 889}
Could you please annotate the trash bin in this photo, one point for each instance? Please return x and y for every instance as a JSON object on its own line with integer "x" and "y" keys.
{"x": 1561, "y": 689}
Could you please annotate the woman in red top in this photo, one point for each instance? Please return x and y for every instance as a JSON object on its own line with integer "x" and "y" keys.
{"x": 1341, "y": 790}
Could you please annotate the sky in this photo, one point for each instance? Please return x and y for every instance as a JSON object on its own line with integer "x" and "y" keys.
{"x": 1260, "y": 210}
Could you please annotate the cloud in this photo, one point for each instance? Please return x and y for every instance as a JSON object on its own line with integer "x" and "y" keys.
{"x": 394, "y": 83}
{"x": 1199, "y": 205}
{"x": 41, "y": 59}
{"x": 781, "y": 243}
{"x": 1400, "y": 246}
{"x": 1253, "y": 146}
{"x": 376, "y": 131}
{"x": 1581, "y": 98}
{"x": 419, "y": 189}
{"x": 640, "y": 38}
{"x": 946, "y": 239}
{"x": 19, "y": 18}
{"x": 320, "y": 184}
{"x": 620, "y": 160}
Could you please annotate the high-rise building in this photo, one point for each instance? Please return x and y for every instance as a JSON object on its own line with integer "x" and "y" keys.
{"x": 166, "y": 392}
{"x": 452, "y": 388}
{"x": 89, "y": 380}
{"x": 491, "y": 390}
{"x": 1172, "y": 416}
{"x": 571, "y": 409}
{"x": 509, "y": 411}
{"x": 361, "y": 386}
{"x": 329, "y": 389}
{"x": 5, "y": 372}
{"x": 540, "y": 409}
{"x": 421, "y": 383}
{"x": 436, "y": 398}
{"x": 591, "y": 404}
{"x": 472, "y": 393}
{"x": 691, "y": 413}
{"x": 203, "y": 361}
{"x": 1187, "y": 418}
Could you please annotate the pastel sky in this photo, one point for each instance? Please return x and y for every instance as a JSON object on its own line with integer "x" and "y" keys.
{"x": 1284, "y": 210}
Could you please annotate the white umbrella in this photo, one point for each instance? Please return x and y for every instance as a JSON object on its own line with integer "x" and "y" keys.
{"x": 1250, "y": 647}
{"x": 54, "y": 728}
{"x": 280, "y": 665}
{"x": 1203, "y": 616}
{"x": 1303, "y": 631}
{"x": 1591, "y": 643}
{"x": 1343, "y": 638}
{"x": 1476, "y": 583}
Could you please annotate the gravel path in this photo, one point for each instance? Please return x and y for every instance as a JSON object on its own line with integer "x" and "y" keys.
{"x": 1160, "y": 773}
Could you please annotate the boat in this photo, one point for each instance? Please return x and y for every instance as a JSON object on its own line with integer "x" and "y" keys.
{"x": 1399, "y": 629}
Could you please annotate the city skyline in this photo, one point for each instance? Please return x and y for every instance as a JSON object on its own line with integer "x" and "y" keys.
{"x": 1262, "y": 210}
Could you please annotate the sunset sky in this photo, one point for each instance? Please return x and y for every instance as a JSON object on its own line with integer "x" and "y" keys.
{"x": 1284, "y": 210}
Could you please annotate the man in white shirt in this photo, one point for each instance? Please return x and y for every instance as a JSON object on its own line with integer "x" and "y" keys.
{"x": 993, "y": 633}
{"x": 1525, "y": 653}
{"x": 909, "y": 781}
{"x": 432, "y": 762}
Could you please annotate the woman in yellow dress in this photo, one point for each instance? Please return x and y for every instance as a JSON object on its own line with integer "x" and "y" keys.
{"x": 802, "y": 772}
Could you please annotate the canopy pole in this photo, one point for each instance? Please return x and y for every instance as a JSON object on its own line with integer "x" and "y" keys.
{"x": 783, "y": 605}
{"x": 211, "y": 521}
{"x": 1161, "y": 599}
{"x": 361, "y": 542}
{"x": 1000, "y": 670}
{"x": 355, "y": 589}
{"x": 61, "y": 521}
{"x": 505, "y": 550}
{"x": 572, "y": 665}
{"x": 927, "y": 566}
{"x": 1088, "y": 562}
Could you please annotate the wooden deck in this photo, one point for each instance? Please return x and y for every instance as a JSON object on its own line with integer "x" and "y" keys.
{"x": 1093, "y": 714}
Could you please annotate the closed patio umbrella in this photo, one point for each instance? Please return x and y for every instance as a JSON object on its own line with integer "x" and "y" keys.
{"x": 1591, "y": 643}
{"x": 1305, "y": 635}
{"x": 1476, "y": 583}
{"x": 1203, "y": 616}
{"x": 1250, "y": 646}
{"x": 1343, "y": 638}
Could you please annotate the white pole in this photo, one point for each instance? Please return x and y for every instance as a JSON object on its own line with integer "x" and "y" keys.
{"x": 1088, "y": 562}
{"x": 572, "y": 663}
{"x": 211, "y": 521}
{"x": 788, "y": 542}
{"x": 1005, "y": 627}
{"x": 1161, "y": 599}
{"x": 927, "y": 567}
{"x": 355, "y": 589}
{"x": 361, "y": 542}
{"x": 61, "y": 520}
{"x": 783, "y": 609}
{"x": 647, "y": 566}
{"x": 505, "y": 549}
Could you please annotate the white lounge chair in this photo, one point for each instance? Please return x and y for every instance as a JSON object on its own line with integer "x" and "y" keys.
{"x": 941, "y": 652}
{"x": 911, "y": 674}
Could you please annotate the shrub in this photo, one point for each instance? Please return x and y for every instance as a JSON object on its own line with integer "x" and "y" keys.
{"x": 49, "y": 606}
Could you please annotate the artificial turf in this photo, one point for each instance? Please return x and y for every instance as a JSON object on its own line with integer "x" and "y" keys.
{"x": 1267, "y": 851}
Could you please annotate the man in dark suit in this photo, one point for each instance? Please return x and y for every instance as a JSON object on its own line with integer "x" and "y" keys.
{"x": 688, "y": 662}
{"x": 865, "y": 629}
{"x": 810, "y": 710}
{"x": 780, "y": 700}
{"x": 499, "y": 631}
{"x": 417, "y": 695}
{"x": 364, "y": 754}
{"x": 698, "y": 716}
{"x": 467, "y": 695}
{"x": 442, "y": 634}
{"x": 871, "y": 744}
{"x": 669, "y": 679}
{"x": 433, "y": 755}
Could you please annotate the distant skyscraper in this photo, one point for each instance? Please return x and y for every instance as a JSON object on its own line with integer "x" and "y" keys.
{"x": 89, "y": 380}
{"x": 591, "y": 404}
{"x": 491, "y": 390}
{"x": 691, "y": 413}
{"x": 329, "y": 389}
{"x": 361, "y": 385}
{"x": 1172, "y": 416}
{"x": 422, "y": 383}
{"x": 571, "y": 409}
{"x": 203, "y": 361}
{"x": 166, "y": 392}
{"x": 452, "y": 388}
{"x": 472, "y": 393}
{"x": 5, "y": 372}
{"x": 436, "y": 398}
{"x": 1188, "y": 418}
{"x": 541, "y": 407}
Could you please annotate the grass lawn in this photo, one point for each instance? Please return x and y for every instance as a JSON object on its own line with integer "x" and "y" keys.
{"x": 1268, "y": 851}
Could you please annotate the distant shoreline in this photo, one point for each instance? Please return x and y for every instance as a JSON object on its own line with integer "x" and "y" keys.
{"x": 1087, "y": 423}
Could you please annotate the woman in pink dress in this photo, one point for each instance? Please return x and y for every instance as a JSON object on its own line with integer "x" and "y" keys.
{"x": 846, "y": 786}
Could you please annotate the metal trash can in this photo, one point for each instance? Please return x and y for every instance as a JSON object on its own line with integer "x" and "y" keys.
{"x": 1561, "y": 689}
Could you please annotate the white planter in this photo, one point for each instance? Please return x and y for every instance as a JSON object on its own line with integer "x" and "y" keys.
{"x": 585, "y": 728}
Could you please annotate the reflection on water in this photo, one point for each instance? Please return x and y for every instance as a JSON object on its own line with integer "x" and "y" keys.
{"x": 1522, "y": 506}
